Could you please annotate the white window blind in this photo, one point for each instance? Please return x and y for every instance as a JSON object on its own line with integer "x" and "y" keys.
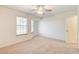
{"x": 21, "y": 25}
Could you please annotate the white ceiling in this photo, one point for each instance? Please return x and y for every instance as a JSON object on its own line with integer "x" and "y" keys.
{"x": 56, "y": 8}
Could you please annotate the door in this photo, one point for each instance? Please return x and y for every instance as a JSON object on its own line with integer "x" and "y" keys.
{"x": 72, "y": 33}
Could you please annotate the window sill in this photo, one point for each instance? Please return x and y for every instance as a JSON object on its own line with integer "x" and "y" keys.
{"x": 21, "y": 34}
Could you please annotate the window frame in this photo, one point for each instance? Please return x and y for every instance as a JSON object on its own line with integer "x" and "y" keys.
{"x": 32, "y": 26}
{"x": 21, "y": 26}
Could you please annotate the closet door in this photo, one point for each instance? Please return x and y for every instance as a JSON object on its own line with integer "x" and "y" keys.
{"x": 72, "y": 33}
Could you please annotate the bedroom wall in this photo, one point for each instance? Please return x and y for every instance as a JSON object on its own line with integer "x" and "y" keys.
{"x": 55, "y": 26}
{"x": 78, "y": 24}
{"x": 8, "y": 27}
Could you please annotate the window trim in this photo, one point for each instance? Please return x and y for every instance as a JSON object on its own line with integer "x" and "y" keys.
{"x": 21, "y": 26}
{"x": 32, "y": 26}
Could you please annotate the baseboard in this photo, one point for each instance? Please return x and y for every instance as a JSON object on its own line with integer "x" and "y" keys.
{"x": 10, "y": 43}
{"x": 53, "y": 38}
{"x": 16, "y": 42}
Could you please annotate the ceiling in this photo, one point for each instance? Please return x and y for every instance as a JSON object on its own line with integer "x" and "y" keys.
{"x": 56, "y": 9}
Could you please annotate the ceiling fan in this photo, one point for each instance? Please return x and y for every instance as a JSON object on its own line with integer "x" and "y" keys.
{"x": 42, "y": 9}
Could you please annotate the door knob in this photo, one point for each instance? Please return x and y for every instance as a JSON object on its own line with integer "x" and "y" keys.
{"x": 66, "y": 30}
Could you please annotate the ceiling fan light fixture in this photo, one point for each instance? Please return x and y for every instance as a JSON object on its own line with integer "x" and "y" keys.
{"x": 40, "y": 10}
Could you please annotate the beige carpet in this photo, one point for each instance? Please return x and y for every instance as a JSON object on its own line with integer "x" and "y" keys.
{"x": 39, "y": 45}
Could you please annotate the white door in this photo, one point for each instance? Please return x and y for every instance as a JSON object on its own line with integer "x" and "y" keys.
{"x": 72, "y": 33}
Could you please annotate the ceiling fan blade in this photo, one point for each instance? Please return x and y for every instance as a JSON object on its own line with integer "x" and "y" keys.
{"x": 49, "y": 10}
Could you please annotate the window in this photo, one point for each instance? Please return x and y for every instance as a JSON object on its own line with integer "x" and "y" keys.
{"x": 21, "y": 25}
{"x": 32, "y": 25}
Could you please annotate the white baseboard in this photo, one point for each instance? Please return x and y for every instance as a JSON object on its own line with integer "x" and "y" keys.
{"x": 53, "y": 38}
{"x": 17, "y": 40}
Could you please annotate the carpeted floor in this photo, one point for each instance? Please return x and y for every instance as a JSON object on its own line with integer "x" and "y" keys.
{"x": 39, "y": 45}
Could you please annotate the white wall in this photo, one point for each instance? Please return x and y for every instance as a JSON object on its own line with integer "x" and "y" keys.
{"x": 54, "y": 26}
{"x": 78, "y": 24}
{"x": 8, "y": 27}
{"x": 78, "y": 21}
